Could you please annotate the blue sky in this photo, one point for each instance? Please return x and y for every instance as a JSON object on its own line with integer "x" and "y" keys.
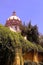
{"x": 26, "y": 9}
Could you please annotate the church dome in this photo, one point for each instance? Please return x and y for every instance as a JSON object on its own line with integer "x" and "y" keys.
{"x": 14, "y": 17}
{"x": 14, "y": 22}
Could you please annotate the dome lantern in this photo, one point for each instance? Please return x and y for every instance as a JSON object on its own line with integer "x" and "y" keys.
{"x": 14, "y": 13}
{"x": 14, "y": 16}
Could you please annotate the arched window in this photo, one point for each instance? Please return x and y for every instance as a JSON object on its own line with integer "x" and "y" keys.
{"x": 14, "y": 27}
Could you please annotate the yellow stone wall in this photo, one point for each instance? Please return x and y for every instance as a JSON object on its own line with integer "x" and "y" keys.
{"x": 28, "y": 56}
{"x": 35, "y": 57}
{"x": 32, "y": 56}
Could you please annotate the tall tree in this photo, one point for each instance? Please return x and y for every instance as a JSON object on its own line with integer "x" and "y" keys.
{"x": 35, "y": 34}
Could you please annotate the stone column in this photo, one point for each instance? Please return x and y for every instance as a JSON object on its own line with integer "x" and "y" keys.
{"x": 18, "y": 57}
{"x": 35, "y": 57}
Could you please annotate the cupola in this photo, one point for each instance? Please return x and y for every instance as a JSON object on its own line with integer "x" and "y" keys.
{"x": 14, "y": 22}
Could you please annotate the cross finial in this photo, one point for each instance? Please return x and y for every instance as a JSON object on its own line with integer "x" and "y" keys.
{"x": 14, "y": 13}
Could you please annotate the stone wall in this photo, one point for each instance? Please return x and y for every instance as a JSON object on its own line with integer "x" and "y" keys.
{"x": 33, "y": 56}
{"x": 40, "y": 56}
{"x": 28, "y": 56}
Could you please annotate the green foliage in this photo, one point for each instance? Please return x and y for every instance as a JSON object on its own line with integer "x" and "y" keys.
{"x": 31, "y": 32}
{"x": 41, "y": 40}
{"x": 9, "y": 41}
{"x": 23, "y": 30}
